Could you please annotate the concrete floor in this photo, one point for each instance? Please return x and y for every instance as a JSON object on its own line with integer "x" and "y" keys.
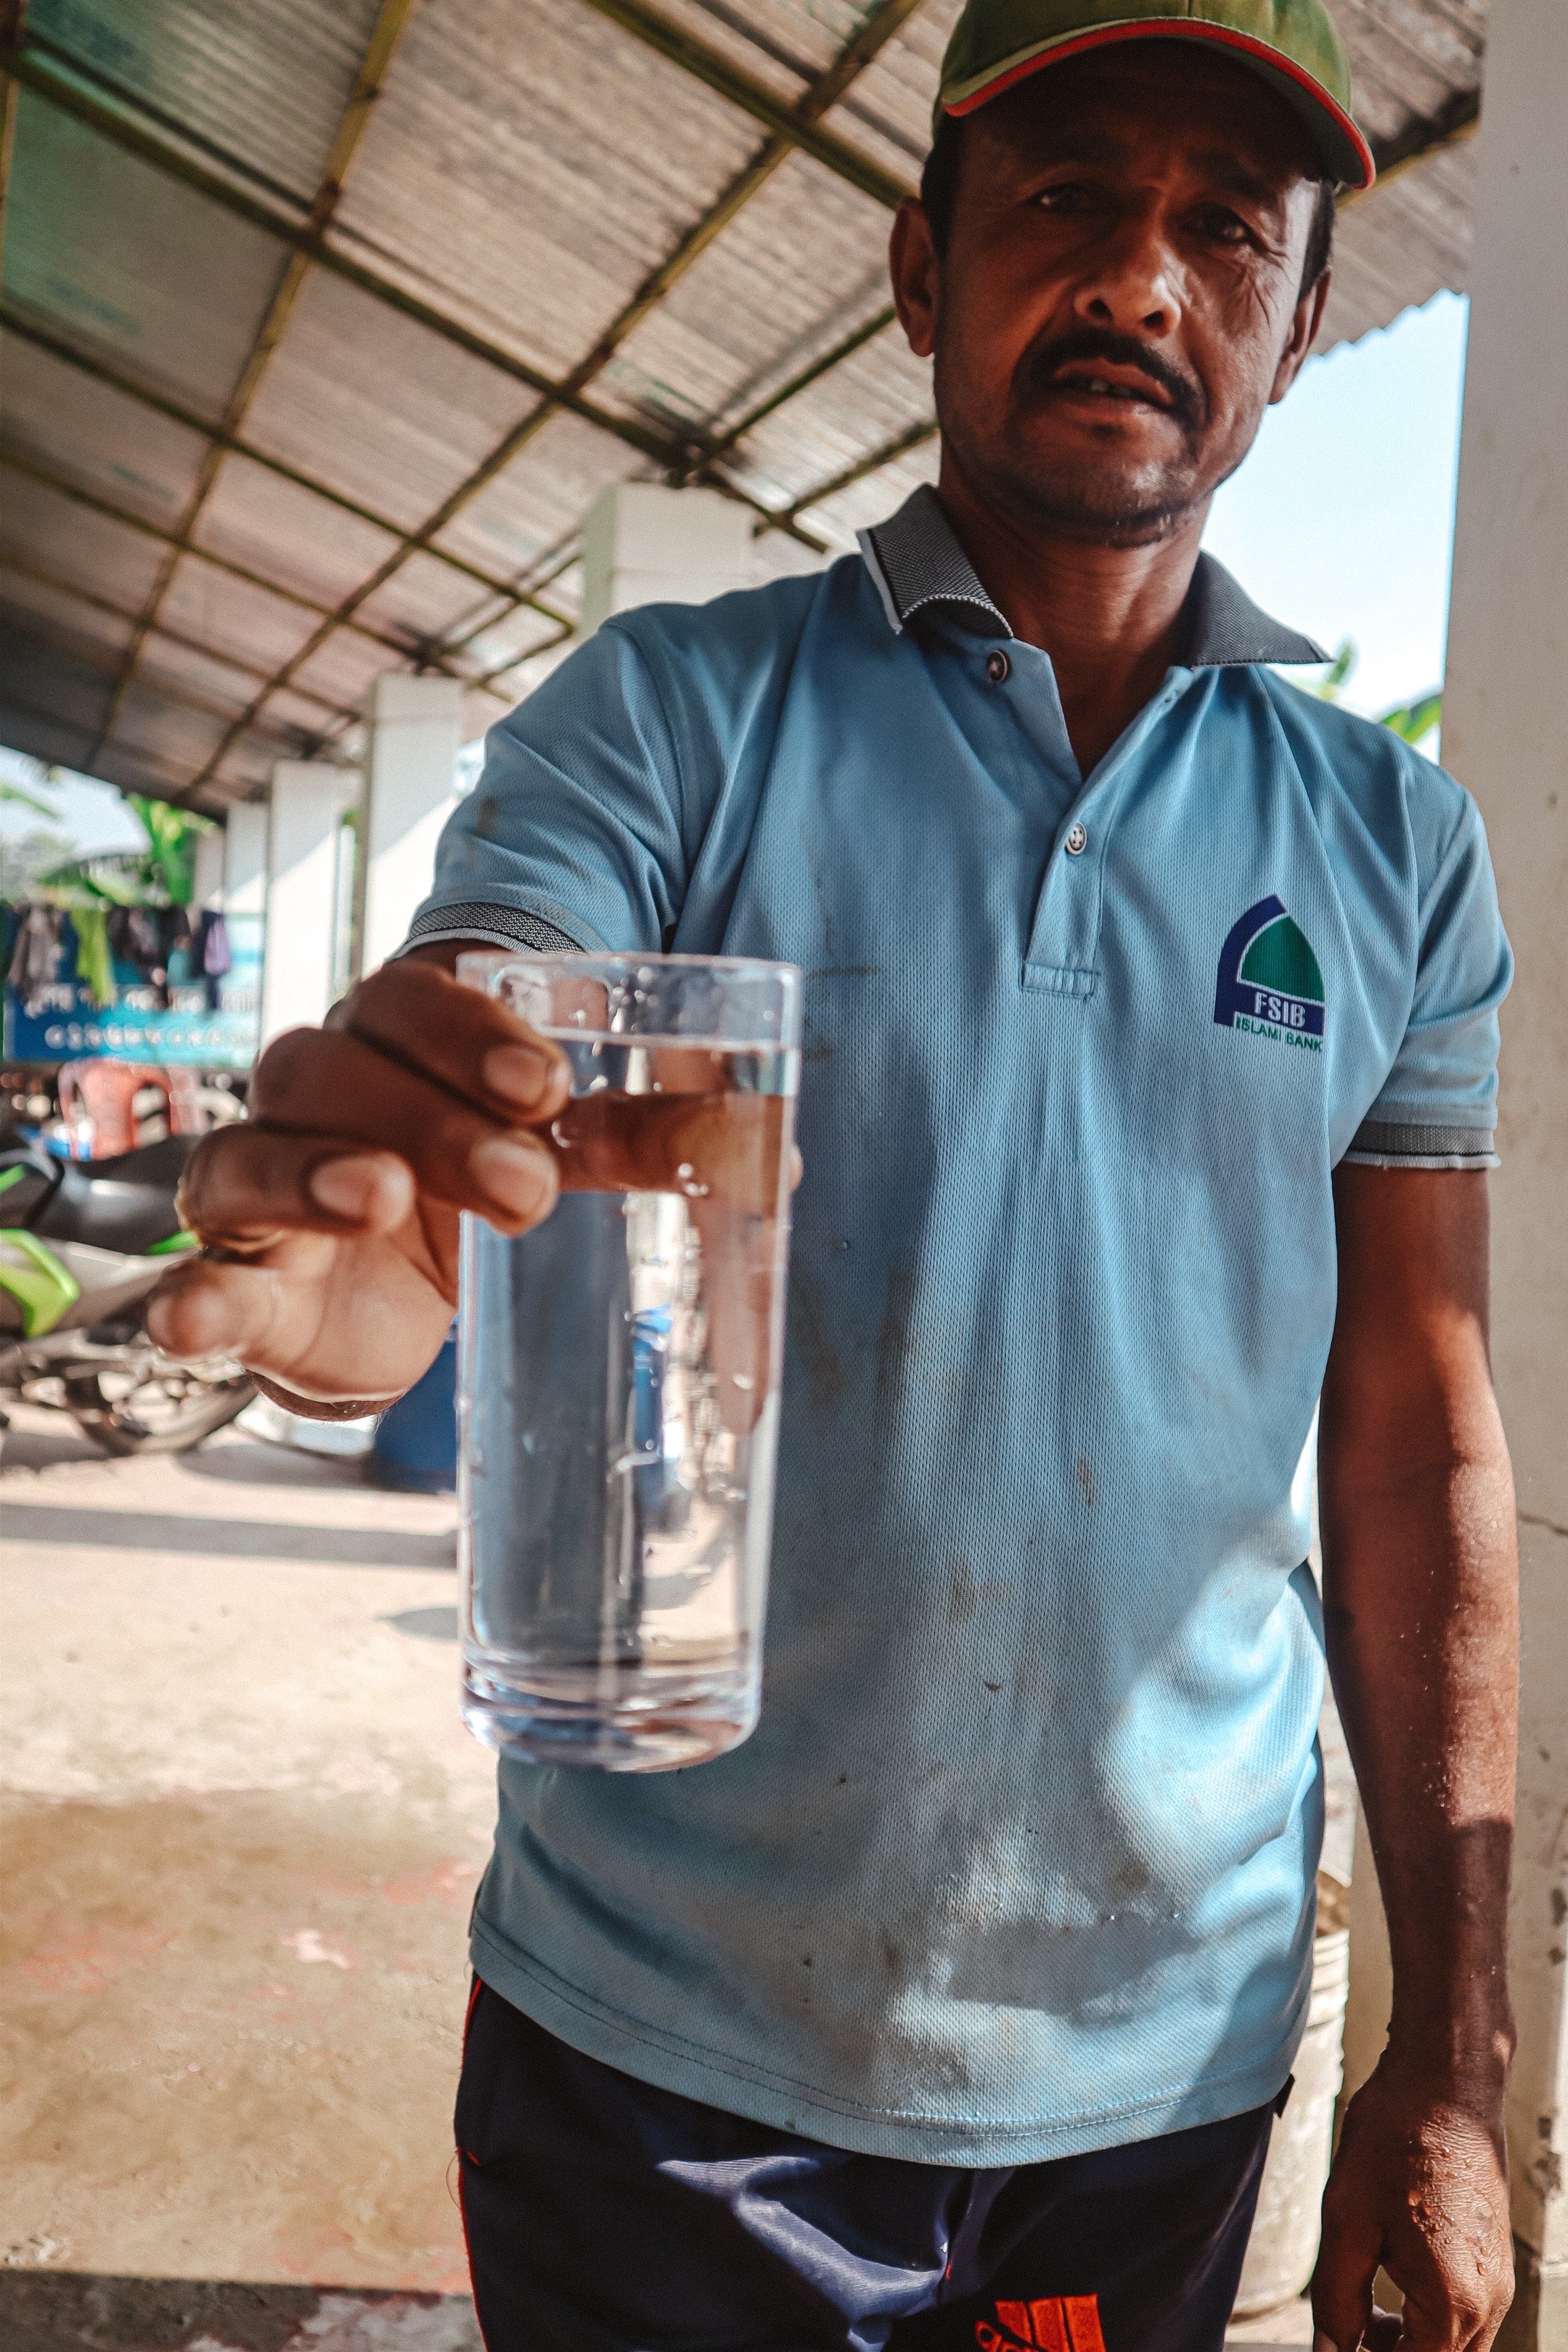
{"x": 243, "y": 1825}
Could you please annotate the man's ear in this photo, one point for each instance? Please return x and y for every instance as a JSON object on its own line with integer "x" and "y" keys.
{"x": 913, "y": 266}
{"x": 1304, "y": 328}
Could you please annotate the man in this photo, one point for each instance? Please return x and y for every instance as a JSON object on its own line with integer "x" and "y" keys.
{"x": 1149, "y": 1090}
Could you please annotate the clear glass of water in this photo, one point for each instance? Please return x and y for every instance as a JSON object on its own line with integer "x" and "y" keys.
{"x": 618, "y": 1390}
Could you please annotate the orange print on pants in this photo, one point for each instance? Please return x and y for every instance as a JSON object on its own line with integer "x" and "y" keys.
{"x": 1061, "y": 2322}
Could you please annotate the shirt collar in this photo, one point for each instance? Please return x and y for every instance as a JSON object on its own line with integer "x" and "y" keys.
{"x": 915, "y": 562}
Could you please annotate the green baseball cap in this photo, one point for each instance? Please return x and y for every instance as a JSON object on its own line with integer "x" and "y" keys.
{"x": 1292, "y": 44}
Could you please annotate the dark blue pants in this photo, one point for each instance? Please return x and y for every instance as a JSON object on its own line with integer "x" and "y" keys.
{"x": 604, "y": 2215}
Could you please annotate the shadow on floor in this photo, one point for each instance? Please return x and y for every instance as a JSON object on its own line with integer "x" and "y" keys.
{"x": 41, "y": 1449}
{"x": 426, "y": 1625}
{"x": 171, "y": 1531}
{"x": 65, "y": 2311}
{"x": 249, "y": 1462}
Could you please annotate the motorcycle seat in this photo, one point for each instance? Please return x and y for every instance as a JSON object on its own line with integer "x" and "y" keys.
{"x": 126, "y": 1203}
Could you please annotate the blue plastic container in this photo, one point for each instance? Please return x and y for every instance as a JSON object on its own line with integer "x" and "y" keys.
{"x": 415, "y": 1445}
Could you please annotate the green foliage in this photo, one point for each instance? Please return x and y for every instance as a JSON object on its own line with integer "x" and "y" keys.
{"x": 18, "y": 797}
{"x": 171, "y": 837}
{"x": 162, "y": 873}
{"x": 1330, "y": 687}
{"x": 1415, "y": 720}
{"x": 1412, "y": 722}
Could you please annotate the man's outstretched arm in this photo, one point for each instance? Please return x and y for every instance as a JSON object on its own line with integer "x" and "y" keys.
{"x": 1420, "y": 1591}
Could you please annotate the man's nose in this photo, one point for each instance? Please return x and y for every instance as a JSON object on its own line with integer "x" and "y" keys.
{"x": 1133, "y": 286}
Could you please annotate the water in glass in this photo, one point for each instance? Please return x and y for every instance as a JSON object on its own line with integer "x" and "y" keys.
{"x": 620, "y": 1370}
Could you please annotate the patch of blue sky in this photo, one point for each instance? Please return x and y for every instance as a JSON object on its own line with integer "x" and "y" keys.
{"x": 90, "y": 816}
{"x": 1341, "y": 520}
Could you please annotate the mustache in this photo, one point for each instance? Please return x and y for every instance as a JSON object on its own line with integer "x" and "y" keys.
{"x": 1042, "y": 362}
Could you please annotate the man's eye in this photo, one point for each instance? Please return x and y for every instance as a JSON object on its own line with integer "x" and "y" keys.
{"x": 1071, "y": 196}
{"x": 1226, "y": 228}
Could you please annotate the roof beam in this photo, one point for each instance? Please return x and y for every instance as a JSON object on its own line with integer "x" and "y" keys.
{"x": 99, "y": 657}
{"x": 11, "y": 15}
{"x": 1423, "y": 135}
{"x": 15, "y": 322}
{"x": 670, "y": 454}
{"x": 538, "y": 575}
{"x": 879, "y": 27}
{"x": 872, "y": 462}
{"x": 113, "y": 123}
{"x": 671, "y": 40}
{"x": 95, "y": 504}
{"x": 119, "y": 127}
{"x": 734, "y": 435}
{"x": 391, "y": 17}
{"x": 96, "y": 602}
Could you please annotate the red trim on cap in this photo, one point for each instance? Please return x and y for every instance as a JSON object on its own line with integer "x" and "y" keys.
{"x": 1170, "y": 28}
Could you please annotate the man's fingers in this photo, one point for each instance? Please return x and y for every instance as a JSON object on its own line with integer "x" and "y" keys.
{"x": 1348, "y": 2260}
{"x": 244, "y": 1185}
{"x": 207, "y": 1310}
{"x": 724, "y": 1147}
{"x": 331, "y": 1087}
{"x": 463, "y": 1040}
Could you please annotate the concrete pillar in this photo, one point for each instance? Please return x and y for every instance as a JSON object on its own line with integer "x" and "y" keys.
{"x": 413, "y": 728}
{"x": 300, "y": 964}
{"x": 645, "y": 545}
{"x": 207, "y": 882}
{"x": 1504, "y": 733}
{"x": 245, "y": 859}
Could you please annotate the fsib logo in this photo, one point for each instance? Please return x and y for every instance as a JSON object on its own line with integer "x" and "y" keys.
{"x": 1269, "y": 981}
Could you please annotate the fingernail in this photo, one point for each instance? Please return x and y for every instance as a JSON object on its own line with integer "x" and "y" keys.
{"x": 514, "y": 1175}
{"x": 518, "y": 1073}
{"x": 342, "y": 1187}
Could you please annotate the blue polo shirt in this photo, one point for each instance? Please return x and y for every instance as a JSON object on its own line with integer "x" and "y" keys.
{"x": 1020, "y": 1859}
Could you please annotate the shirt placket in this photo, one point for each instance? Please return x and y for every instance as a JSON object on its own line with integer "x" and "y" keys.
{"x": 1063, "y": 957}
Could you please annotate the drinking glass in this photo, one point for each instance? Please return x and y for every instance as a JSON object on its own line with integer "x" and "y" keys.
{"x": 619, "y": 1389}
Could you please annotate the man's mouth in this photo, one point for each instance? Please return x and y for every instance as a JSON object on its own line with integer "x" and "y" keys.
{"x": 1101, "y": 382}
{"x": 1093, "y": 365}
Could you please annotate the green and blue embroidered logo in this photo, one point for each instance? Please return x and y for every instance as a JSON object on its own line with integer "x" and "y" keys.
{"x": 1269, "y": 982}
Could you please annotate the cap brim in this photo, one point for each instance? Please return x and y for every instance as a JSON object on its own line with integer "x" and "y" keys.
{"x": 1344, "y": 150}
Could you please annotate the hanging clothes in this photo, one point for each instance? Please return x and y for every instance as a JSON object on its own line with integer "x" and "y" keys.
{"x": 36, "y": 955}
{"x": 94, "y": 963}
{"x": 134, "y": 938}
{"x": 214, "y": 958}
{"x": 178, "y": 941}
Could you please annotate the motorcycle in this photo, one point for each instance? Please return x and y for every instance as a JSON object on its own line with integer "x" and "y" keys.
{"x": 81, "y": 1245}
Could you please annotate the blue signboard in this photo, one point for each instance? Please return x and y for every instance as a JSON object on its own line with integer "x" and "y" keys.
{"x": 179, "y": 1027}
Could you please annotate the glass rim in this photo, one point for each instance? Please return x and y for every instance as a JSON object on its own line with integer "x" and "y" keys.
{"x": 534, "y": 959}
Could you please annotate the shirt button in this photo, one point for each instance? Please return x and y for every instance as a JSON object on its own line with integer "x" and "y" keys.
{"x": 1076, "y": 841}
{"x": 998, "y": 669}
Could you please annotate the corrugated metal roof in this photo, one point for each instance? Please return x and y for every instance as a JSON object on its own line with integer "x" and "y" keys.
{"x": 436, "y": 271}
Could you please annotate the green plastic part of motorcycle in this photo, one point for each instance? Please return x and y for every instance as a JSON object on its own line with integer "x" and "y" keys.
{"x": 42, "y": 1287}
{"x": 12, "y": 1176}
{"x": 175, "y": 1241}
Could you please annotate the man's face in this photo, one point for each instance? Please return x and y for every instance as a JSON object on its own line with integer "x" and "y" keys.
{"x": 1120, "y": 298}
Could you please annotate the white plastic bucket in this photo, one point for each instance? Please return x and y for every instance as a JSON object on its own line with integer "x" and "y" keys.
{"x": 1284, "y": 2244}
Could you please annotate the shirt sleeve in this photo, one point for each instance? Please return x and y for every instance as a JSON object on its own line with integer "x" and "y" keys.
{"x": 1438, "y": 1107}
{"x": 572, "y": 838}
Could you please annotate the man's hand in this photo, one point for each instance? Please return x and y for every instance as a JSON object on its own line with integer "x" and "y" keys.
{"x": 335, "y": 1205}
{"x": 1420, "y": 2187}
{"x": 1421, "y": 1614}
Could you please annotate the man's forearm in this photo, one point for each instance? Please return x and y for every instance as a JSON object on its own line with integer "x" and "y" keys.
{"x": 1421, "y": 1597}
{"x": 1422, "y": 1638}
